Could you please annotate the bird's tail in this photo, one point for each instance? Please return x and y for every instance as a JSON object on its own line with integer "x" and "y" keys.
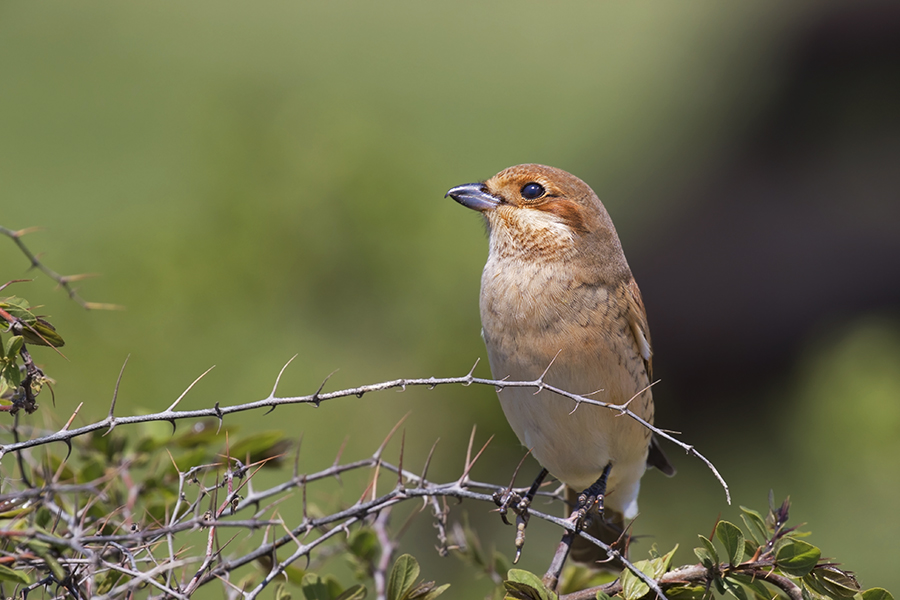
{"x": 609, "y": 528}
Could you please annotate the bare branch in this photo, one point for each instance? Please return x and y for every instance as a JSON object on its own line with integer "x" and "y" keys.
{"x": 172, "y": 415}
{"x": 64, "y": 281}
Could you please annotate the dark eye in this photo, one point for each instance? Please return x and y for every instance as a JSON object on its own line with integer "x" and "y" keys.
{"x": 532, "y": 191}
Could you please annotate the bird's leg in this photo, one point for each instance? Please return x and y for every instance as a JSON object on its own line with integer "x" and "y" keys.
{"x": 580, "y": 518}
{"x": 525, "y": 502}
{"x": 588, "y": 498}
{"x": 511, "y": 499}
{"x": 519, "y": 504}
{"x": 522, "y": 513}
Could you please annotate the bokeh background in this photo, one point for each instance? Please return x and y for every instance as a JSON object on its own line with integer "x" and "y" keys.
{"x": 258, "y": 180}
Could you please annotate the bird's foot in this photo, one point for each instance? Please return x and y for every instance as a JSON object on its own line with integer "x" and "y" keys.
{"x": 590, "y": 502}
{"x": 510, "y": 499}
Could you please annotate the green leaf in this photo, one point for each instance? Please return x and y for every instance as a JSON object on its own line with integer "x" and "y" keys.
{"x": 12, "y": 345}
{"x": 294, "y": 574}
{"x": 92, "y": 469}
{"x": 706, "y": 559}
{"x": 281, "y": 594}
{"x": 707, "y": 554}
{"x": 632, "y": 586}
{"x": 732, "y": 538}
{"x": 7, "y": 574}
{"x": 11, "y": 373}
{"x": 43, "y": 549}
{"x": 602, "y": 596}
{"x": 575, "y": 578}
{"x": 432, "y": 592}
{"x": 752, "y": 584}
{"x": 403, "y": 576}
{"x": 500, "y": 563}
{"x": 687, "y": 592}
{"x": 710, "y": 548}
{"x": 756, "y": 526}
{"x": 523, "y": 585}
{"x": 666, "y": 561}
{"x": 355, "y": 592}
{"x": 314, "y": 588}
{"x": 734, "y": 588}
{"x": 334, "y": 586}
{"x": 43, "y": 333}
{"x": 796, "y": 557}
{"x": 108, "y": 581}
{"x": 719, "y": 585}
{"x": 261, "y": 446}
{"x": 364, "y": 544}
{"x": 830, "y": 581}
{"x": 194, "y": 457}
{"x": 877, "y": 594}
{"x": 201, "y": 433}
{"x": 474, "y": 550}
{"x": 18, "y": 308}
{"x": 43, "y": 517}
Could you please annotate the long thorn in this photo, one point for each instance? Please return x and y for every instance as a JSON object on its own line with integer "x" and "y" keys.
{"x": 280, "y": 373}
{"x": 184, "y": 393}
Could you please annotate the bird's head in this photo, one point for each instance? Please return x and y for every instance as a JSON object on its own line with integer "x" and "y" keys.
{"x": 538, "y": 212}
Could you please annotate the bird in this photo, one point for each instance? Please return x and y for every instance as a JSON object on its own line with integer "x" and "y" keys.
{"x": 558, "y": 300}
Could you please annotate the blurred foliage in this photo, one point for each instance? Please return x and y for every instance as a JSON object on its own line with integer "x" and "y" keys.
{"x": 847, "y": 389}
{"x": 258, "y": 181}
{"x": 851, "y": 383}
{"x": 20, "y": 380}
{"x": 117, "y": 514}
{"x": 770, "y": 561}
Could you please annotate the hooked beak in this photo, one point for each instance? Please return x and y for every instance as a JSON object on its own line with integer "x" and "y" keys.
{"x": 474, "y": 196}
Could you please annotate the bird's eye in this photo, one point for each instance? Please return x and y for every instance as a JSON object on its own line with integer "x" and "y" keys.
{"x": 532, "y": 191}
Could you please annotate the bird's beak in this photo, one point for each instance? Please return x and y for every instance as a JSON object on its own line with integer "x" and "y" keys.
{"x": 474, "y": 196}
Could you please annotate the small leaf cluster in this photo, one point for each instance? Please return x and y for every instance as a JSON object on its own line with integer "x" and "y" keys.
{"x": 524, "y": 585}
{"x": 112, "y": 486}
{"x": 769, "y": 560}
{"x": 17, "y": 313}
{"x": 20, "y": 380}
{"x": 402, "y": 582}
{"x": 314, "y": 587}
{"x": 654, "y": 568}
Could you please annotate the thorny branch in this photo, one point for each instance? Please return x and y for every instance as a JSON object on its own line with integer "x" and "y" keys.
{"x": 138, "y": 544}
{"x": 100, "y": 551}
{"x": 64, "y": 281}
{"x": 698, "y": 574}
{"x": 80, "y": 552}
{"x": 273, "y": 401}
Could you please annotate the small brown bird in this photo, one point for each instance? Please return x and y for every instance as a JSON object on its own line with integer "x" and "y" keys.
{"x": 556, "y": 286}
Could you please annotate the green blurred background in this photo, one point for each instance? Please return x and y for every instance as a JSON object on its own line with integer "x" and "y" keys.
{"x": 258, "y": 180}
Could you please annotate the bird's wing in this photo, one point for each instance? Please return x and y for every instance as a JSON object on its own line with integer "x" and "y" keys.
{"x": 637, "y": 317}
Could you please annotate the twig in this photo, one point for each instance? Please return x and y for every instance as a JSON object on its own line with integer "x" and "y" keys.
{"x": 431, "y": 382}
{"x": 64, "y": 281}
